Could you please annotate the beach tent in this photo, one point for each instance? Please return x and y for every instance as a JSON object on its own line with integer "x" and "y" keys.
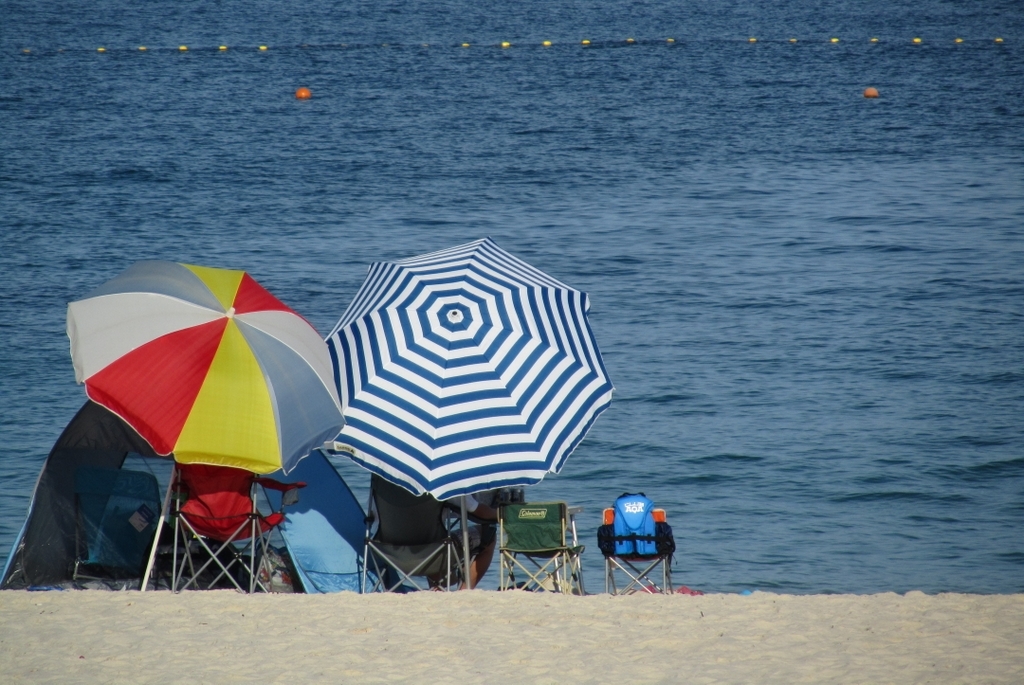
{"x": 98, "y": 451}
{"x": 324, "y": 531}
{"x": 71, "y": 487}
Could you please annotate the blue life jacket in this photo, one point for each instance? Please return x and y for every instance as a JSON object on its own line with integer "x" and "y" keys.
{"x": 634, "y": 526}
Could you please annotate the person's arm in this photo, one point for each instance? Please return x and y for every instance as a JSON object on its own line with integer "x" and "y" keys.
{"x": 479, "y": 510}
{"x": 485, "y": 512}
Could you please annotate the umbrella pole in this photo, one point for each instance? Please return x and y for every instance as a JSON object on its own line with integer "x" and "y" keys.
{"x": 465, "y": 544}
{"x": 159, "y": 529}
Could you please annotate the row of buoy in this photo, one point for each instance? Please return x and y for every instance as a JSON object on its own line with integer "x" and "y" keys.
{"x": 507, "y": 44}
{"x": 915, "y": 40}
{"x": 304, "y": 93}
{"x": 181, "y": 48}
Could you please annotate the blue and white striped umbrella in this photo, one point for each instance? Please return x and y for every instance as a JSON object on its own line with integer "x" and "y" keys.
{"x": 466, "y": 369}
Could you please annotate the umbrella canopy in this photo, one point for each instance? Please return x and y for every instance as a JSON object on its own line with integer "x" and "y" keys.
{"x": 466, "y": 369}
{"x": 205, "y": 364}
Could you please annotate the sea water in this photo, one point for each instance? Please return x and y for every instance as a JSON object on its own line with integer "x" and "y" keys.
{"x": 811, "y": 303}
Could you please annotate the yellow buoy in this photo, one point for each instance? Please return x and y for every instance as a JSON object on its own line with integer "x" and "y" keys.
{"x": 506, "y": 44}
{"x": 792, "y": 40}
{"x": 999, "y": 40}
{"x": 833, "y": 40}
{"x": 101, "y": 49}
{"x": 916, "y": 41}
{"x": 751, "y": 40}
{"x": 546, "y": 43}
{"x": 585, "y": 42}
{"x": 263, "y": 47}
{"x": 26, "y": 51}
{"x": 183, "y": 48}
{"x": 143, "y": 48}
{"x": 958, "y": 40}
{"x": 223, "y": 48}
{"x": 670, "y": 40}
{"x": 874, "y": 40}
{"x": 465, "y": 45}
{"x": 870, "y": 92}
{"x": 630, "y": 40}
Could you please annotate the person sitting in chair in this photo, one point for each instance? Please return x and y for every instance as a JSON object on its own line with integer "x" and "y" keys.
{"x": 482, "y": 535}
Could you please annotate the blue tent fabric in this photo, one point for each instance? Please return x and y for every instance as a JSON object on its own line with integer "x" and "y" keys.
{"x": 118, "y": 510}
{"x": 324, "y": 532}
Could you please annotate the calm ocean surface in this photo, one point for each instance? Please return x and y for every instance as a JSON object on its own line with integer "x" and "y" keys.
{"x": 811, "y": 304}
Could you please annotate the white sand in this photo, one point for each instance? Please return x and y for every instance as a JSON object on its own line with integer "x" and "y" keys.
{"x": 513, "y": 637}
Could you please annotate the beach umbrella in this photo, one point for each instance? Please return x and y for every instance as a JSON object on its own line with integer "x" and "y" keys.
{"x": 464, "y": 370}
{"x": 205, "y": 364}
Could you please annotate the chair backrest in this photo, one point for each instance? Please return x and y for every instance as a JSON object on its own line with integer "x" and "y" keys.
{"x": 404, "y": 518}
{"x": 217, "y": 499}
{"x": 117, "y": 510}
{"x": 533, "y": 527}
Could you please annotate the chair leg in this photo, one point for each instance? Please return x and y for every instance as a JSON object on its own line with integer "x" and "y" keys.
{"x": 402, "y": 577}
{"x": 252, "y": 553}
{"x": 637, "y": 579}
{"x": 550, "y": 570}
{"x": 505, "y": 579}
{"x": 366, "y": 558}
{"x": 214, "y": 557}
{"x": 578, "y": 570}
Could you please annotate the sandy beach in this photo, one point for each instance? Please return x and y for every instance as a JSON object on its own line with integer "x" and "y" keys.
{"x": 470, "y": 637}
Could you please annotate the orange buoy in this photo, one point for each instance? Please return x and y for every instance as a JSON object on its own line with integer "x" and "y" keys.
{"x": 303, "y": 93}
{"x": 870, "y": 92}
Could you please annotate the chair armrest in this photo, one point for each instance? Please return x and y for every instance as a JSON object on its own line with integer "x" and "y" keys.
{"x": 289, "y": 491}
{"x": 272, "y": 484}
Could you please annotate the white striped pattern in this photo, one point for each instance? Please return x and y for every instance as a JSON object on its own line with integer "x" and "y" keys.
{"x": 465, "y": 369}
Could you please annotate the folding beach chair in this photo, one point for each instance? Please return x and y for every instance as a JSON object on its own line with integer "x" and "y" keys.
{"x": 535, "y": 546}
{"x": 219, "y": 532}
{"x": 115, "y": 517}
{"x": 406, "y": 539}
{"x": 639, "y": 569}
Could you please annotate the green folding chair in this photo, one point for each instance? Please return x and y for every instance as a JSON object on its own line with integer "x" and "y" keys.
{"x": 535, "y": 551}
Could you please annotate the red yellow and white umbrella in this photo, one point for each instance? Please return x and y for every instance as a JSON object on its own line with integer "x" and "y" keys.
{"x": 206, "y": 364}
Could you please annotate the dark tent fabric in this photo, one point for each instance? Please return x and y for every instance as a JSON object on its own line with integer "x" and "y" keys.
{"x": 45, "y": 552}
